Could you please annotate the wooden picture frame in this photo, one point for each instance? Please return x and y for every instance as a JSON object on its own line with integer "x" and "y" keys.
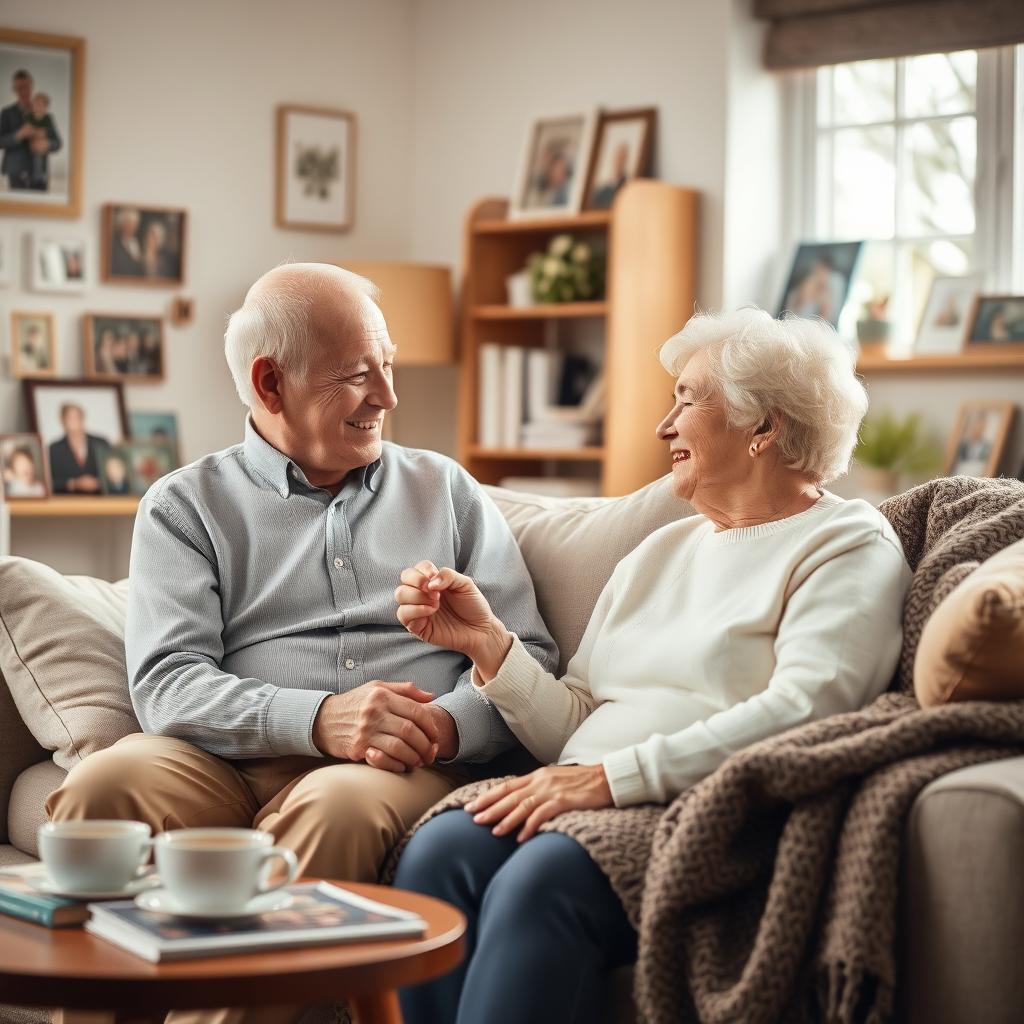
{"x": 127, "y": 255}
{"x": 65, "y": 88}
{"x": 556, "y": 145}
{"x": 599, "y": 195}
{"x": 24, "y": 364}
{"x": 142, "y": 364}
{"x": 978, "y": 441}
{"x": 10, "y": 485}
{"x": 980, "y": 334}
{"x": 306, "y": 197}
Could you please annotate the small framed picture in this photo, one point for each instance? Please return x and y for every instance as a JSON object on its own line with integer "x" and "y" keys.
{"x": 143, "y": 245}
{"x": 123, "y": 346}
{"x": 819, "y": 280}
{"x": 79, "y": 422}
{"x": 34, "y": 345}
{"x": 944, "y": 320}
{"x": 553, "y": 166}
{"x": 40, "y": 174}
{"x": 978, "y": 441}
{"x": 147, "y": 462}
{"x": 22, "y": 467}
{"x": 59, "y": 264}
{"x": 622, "y": 152}
{"x": 997, "y": 321}
{"x": 159, "y": 428}
{"x": 316, "y": 162}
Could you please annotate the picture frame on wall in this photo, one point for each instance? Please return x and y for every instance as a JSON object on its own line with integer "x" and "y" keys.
{"x": 33, "y": 344}
{"x": 22, "y": 467}
{"x": 316, "y": 164}
{"x": 946, "y": 315}
{"x": 819, "y": 279}
{"x": 7, "y": 256}
{"x": 127, "y": 347}
{"x": 553, "y": 166}
{"x": 41, "y": 174}
{"x": 59, "y": 263}
{"x": 79, "y": 422}
{"x": 143, "y": 245}
{"x": 996, "y": 323}
{"x": 621, "y": 152}
{"x": 978, "y": 441}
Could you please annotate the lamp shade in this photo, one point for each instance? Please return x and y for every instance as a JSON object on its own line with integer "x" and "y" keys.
{"x": 416, "y": 300}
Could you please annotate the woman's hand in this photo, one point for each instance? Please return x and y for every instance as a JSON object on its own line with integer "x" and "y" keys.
{"x": 532, "y": 799}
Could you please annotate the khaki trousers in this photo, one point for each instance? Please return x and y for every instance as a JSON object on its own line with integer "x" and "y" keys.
{"x": 341, "y": 818}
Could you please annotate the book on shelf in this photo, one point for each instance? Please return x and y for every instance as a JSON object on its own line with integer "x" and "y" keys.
{"x": 319, "y": 914}
{"x": 489, "y": 427}
{"x": 19, "y": 899}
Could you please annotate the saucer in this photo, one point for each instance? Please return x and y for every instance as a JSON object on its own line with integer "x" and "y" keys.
{"x": 160, "y": 901}
{"x": 45, "y": 885}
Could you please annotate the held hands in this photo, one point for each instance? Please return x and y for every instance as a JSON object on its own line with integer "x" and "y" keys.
{"x": 527, "y": 802}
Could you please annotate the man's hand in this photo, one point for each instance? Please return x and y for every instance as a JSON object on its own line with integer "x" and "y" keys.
{"x": 389, "y": 725}
{"x": 25, "y": 131}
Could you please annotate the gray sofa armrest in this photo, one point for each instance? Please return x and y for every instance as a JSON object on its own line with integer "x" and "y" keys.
{"x": 18, "y": 751}
{"x": 964, "y": 892}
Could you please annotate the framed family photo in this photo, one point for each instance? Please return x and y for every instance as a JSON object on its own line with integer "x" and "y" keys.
{"x": 143, "y": 245}
{"x": 316, "y": 162}
{"x": 997, "y": 321}
{"x": 819, "y": 280}
{"x": 22, "y": 467}
{"x": 159, "y": 428}
{"x": 33, "y": 345}
{"x": 40, "y": 171}
{"x": 123, "y": 346}
{"x": 622, "y": 152}
{"x": 134, "y": 466}
{"x": 553, "y": 166}
{"x": 978, "y": 441}
{"x": 59, "y": 264}
{"x": 79, "y": 422}
{"x": 946, "y": 313}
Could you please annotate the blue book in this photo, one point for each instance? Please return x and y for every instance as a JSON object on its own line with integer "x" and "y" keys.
{"x": 19, "y": 899}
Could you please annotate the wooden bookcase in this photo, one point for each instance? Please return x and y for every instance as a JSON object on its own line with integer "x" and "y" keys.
{"x": 651, "y": 237}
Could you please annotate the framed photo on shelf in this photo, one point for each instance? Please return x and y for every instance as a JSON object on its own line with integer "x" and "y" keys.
{"x": 819, "y": 279}
{"x": 134, "y": 466}
{"x": 316, "y": 162}
{"x": 157, "y": 428}
{"x": 59, "y": 264}
{"x": 79, "y": 422}
{"x": 22, "y": 467}
{"x": 41, "y": 173}
{"x": 944, "y": 321}
{"x": 33, "y": 345}
{"x": 978, "y": 441}
{"x": 143, "y": 245}
{"x": 622, "y": 152}
{"x": 553, "y": 166}
{"x": 123, "y": 346}
{"x": 997, "y": 321}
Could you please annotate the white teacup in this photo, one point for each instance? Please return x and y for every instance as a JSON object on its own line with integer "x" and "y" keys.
{"x": 218, "y": 870}
{"x": 93, "y": 856}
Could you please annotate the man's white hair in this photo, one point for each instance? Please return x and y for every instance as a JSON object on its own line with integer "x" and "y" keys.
{"x": 276, "y": 320}
{"x": 794, "y": 372}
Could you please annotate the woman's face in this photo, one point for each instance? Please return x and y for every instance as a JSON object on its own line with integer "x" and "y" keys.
{"x": 708, "y": 455}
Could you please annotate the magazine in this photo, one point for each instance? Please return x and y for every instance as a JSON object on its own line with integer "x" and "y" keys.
{"x": 319, "y": 914}
{"x": 19, "y": 899}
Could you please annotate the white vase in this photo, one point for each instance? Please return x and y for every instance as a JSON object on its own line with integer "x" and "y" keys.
{"x": 519, "y": 289}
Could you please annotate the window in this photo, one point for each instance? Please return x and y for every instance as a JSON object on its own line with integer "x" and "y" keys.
{"x": 915, "y": 156}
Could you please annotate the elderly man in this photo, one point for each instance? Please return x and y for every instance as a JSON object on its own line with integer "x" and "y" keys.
{"x": 274, "y": 684}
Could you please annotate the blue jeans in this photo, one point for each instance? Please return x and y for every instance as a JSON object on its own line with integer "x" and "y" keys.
{"x": 544, "y": 928}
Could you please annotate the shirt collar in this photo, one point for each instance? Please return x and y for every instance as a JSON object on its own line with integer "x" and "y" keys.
{"x": 281, "y": 472}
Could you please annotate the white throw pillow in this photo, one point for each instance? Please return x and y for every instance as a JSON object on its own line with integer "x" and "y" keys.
{"x": 62, "y": 655}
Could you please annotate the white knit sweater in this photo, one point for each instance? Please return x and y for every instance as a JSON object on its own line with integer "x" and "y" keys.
{"x": 703, "y": 643}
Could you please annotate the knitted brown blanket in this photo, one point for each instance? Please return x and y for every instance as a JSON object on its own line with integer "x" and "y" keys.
{"x": 768, "y": 892}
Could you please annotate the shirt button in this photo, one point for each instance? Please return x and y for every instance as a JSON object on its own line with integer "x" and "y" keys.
{"x": 339, "y": 564}
{"x": 349, "y": 663}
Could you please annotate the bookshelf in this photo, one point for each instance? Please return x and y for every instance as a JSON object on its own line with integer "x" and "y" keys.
{"x": 72, "y": 507}
{"x": 651, "y": 239}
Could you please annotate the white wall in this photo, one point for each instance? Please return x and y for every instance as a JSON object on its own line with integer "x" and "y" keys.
{"x": 179, "y": 111}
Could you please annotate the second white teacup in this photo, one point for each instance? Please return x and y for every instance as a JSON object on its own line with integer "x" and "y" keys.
{"x": 218, "y": 870}
{"x": 93, "y": 856}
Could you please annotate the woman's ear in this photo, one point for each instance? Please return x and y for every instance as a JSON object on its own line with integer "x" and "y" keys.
{"x": 764, "y": 437}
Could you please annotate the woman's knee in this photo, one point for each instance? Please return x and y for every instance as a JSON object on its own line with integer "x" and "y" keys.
{"x": 436, "y": 849}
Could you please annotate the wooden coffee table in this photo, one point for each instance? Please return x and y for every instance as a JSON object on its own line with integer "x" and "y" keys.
{"x": 71, "y": 968}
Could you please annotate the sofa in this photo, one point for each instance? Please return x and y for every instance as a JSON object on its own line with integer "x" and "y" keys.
{"x": 64, "y": 694}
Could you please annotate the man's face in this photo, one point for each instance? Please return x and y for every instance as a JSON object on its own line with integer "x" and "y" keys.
{"x": 333, "y": 419}
{"x": 23, "y": 90}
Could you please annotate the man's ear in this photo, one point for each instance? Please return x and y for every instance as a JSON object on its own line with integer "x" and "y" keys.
{"x": 267, "y": 381}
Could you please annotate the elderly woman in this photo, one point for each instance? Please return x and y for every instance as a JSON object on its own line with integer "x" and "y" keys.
{"x": 777, "y": 604}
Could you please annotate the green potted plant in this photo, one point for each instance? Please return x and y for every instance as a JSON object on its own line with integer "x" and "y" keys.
{"x": 890, "y": 446}
{"x": 570, "y": 271}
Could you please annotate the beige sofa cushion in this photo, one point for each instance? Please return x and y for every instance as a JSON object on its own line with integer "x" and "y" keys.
{"x": 62, "y": 655}
{"x": 572, "y": 545}
{"x": 972, "y": 647}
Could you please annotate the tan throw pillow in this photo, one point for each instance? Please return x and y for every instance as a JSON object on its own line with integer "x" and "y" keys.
{"x": 62, "y": 655}
{"x": 571, "y": 546}
{"x": 972, "y": 647}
